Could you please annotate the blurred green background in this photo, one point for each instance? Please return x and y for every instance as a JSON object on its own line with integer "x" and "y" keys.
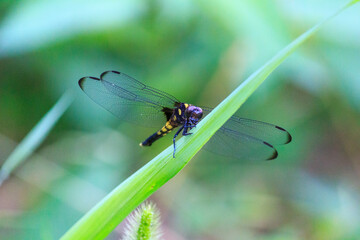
{"x": 198, "y": 51}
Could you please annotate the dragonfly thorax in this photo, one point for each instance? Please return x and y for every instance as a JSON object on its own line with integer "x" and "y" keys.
{"x": 186, "y": 114}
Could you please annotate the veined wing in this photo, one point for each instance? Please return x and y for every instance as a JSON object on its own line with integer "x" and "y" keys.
{"x": 247, "y": 139}
{"x": 129, "y": 88}
{"x": 127, "y": 98}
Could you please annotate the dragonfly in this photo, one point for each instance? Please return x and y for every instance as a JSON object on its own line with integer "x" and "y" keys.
{"x": 137, "y": 103}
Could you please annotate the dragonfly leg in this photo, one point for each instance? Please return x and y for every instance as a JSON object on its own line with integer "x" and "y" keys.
{"x": 176, "y": 134}
{"x": 186, "y": 129}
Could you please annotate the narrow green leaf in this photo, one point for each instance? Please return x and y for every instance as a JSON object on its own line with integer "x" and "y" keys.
{"x": 108, "y": 213}
{"x": 36, "y": 136}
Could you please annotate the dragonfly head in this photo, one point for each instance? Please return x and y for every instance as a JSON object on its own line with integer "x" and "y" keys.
{"x": 193, "y": 114}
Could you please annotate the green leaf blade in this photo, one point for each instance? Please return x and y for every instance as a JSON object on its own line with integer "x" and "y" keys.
{"x": 36, "y": 136}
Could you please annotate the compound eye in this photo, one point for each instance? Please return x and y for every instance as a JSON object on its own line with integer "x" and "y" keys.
{"x": 195, "y": 113}
{"x": 198, "y": 113}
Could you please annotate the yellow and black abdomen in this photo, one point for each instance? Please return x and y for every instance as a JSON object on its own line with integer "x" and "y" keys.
{"x": 169, "y": 126}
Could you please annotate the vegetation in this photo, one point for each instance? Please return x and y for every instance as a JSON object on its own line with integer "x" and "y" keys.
{"x": 197, "y": 51}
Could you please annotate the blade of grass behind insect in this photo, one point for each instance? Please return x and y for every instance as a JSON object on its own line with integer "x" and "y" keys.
{"x": 108, "y": 213}
{"x": 36, "y": 136}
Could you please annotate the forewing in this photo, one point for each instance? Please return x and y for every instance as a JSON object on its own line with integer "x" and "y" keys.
{"x": 267, "y": 132}
{"x": 129, "y": 88}
{"x": 128, "y": 102}
{"x": 247, "y": 139}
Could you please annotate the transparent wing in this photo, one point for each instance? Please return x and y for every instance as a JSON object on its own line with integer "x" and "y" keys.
{"x": 127, "y": 98}
{"x": 247, "y": 139}
{"x": 129, "y": 88}
{"x": 237, "y": 145}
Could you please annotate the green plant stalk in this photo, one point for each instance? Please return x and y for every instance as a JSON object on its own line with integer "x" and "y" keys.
{"x": 36, "y": 136}
{"x": 107, "y": 214}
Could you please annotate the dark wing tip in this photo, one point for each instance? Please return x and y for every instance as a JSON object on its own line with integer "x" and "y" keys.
{"x": 289, "y": 137}
{"x": 275, "y": 153}
{"x": 81, "y": 82}
{"x": 280, "y": 128}
{"x": 104, "y": 73}
{"x": 83, "y": 79}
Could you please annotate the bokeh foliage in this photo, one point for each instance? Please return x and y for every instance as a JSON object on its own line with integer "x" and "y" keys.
{"x": 198, "y": 51}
